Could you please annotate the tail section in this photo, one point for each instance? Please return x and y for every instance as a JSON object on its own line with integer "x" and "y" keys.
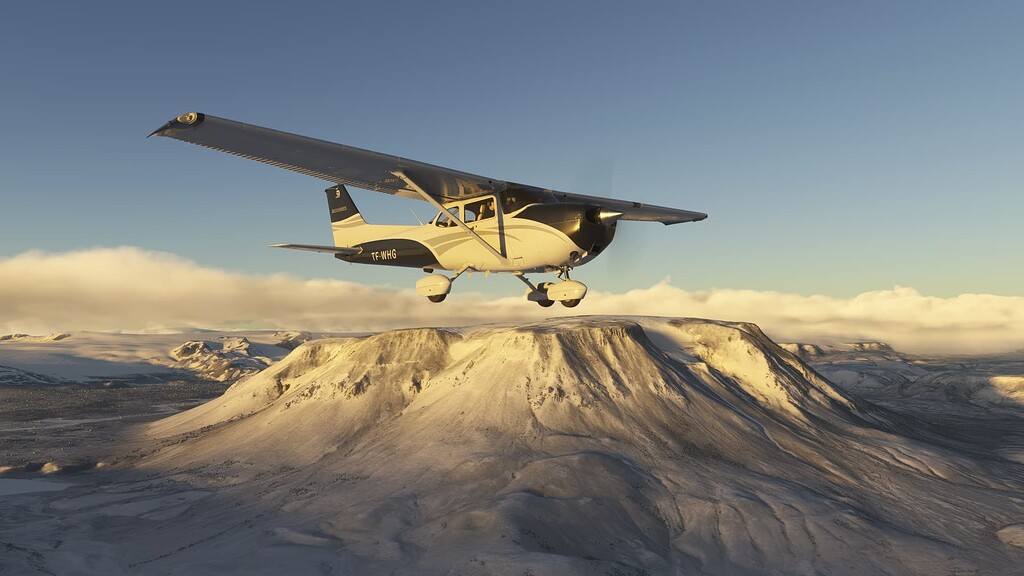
{"x": 359, "y": 242}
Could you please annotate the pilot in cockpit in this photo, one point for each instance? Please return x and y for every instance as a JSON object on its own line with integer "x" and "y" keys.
{"x": 486, "y": 210}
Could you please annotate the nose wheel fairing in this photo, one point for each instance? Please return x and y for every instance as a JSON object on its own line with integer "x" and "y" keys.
{"x": 569, "y": 292}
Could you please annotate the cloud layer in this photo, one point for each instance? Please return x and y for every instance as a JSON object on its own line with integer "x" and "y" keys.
{"x": 129, "y": 289}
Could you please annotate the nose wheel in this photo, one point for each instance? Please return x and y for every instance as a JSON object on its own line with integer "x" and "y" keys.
{"x": 569, "y": 292}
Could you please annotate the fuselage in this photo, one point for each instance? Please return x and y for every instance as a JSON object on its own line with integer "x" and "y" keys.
{"x": 531, "y": 236}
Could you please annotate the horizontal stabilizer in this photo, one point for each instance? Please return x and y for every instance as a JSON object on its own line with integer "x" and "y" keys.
{"x": 329, "y": 249}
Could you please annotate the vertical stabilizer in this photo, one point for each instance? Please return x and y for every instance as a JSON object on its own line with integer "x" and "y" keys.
{"x": 345, "y": 216}
{"x": 341, "y": 205}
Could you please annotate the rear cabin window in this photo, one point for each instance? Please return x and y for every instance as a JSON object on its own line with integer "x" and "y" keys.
{"x": 481, "y": 210}
{"x": 514, "y": 199}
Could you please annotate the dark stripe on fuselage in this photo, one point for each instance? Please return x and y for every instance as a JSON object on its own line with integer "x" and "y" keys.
{"x": 575, "y": 221}
{"x": 398, "y": 252}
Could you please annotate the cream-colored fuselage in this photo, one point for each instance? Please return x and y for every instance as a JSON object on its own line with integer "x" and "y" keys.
{"x": 527, "y": 245}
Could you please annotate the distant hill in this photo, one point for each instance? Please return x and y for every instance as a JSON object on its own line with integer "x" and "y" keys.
{"x": 104, "y": 358}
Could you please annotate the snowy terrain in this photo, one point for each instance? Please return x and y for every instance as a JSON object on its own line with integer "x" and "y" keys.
{"x": 102, "y": 358}
{"x": 578, "y": 446}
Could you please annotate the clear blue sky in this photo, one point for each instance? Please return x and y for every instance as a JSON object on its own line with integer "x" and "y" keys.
{"x": 838, "y": 147}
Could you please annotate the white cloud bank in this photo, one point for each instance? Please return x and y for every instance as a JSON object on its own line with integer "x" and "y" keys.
{"x": 130, "y": 289}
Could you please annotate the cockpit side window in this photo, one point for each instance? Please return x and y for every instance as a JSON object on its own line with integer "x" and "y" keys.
{"x": 481, "y": 210}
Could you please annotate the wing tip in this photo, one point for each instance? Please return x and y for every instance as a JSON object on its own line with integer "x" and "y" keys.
{"x": 186, "y": 120}
{"x": 697, "y": 217}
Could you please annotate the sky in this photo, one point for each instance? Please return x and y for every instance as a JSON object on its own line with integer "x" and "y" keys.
{"x": 840, "y": 148}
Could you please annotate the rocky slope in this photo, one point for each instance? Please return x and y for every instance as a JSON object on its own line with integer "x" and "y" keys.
{"x": 225, "y": 359}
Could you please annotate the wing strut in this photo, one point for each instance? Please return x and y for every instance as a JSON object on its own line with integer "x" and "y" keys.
{"x": 458, "y": 221}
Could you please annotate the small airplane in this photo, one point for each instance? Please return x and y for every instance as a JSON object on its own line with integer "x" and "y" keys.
{"x": 483, "y": 224}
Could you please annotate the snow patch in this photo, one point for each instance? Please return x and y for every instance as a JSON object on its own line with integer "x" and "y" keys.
{"x": 1012, "y": 535}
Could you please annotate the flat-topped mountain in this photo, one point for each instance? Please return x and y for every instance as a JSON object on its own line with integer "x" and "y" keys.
{"x": 584, "y": 445}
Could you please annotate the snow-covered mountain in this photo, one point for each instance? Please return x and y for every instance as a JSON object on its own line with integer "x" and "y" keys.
{"x": 805, "y": 350}
{"x": 576, "y": 446}
{"x": 226, "y": 359}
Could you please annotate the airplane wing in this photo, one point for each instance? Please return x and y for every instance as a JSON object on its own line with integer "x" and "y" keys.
{"x": 375, "y": 171}
{"x": 332, "y": 162}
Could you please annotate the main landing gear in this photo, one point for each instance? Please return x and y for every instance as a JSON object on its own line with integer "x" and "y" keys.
{"x": 569, "y": 292}
{"x": 437, "y": 286}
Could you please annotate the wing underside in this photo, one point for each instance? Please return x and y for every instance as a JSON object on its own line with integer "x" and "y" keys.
{"x": 375, "y": 171}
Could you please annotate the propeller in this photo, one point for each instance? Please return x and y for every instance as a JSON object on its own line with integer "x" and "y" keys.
{"x": 595, "y": 176}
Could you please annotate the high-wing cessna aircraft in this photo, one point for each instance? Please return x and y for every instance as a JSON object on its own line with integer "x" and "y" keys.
{"x": 483, "y": 224}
